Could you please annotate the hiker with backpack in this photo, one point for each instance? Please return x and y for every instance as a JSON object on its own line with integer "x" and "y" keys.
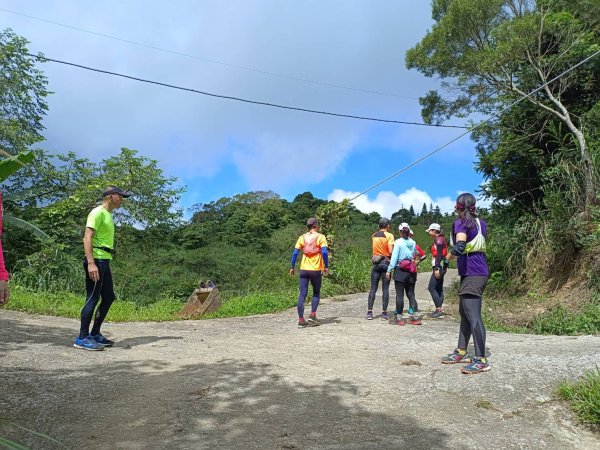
{"x": 382, "y": 243}
{"x": 439, "y": 252}
{"x": 468, "y": 247}
{"x": 405, "y": 274}
{"x": 315, "y": 261}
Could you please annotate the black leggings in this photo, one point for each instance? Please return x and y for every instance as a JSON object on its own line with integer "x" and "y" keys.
{"x": 409, "y": 288}
{"x": 315, "y": 278}
{"x": 471, "y": 324}
{"x": 378, "y": 272}
{"x": 436, "y": 289}
{"x": 102, "y": 288}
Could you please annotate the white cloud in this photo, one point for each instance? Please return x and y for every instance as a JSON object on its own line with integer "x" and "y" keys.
{"x": 387, "y": 202}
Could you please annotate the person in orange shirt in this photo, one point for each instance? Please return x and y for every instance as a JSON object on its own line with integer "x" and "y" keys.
{"x": 315, "y": 261}
{"x": 383, "y": 245}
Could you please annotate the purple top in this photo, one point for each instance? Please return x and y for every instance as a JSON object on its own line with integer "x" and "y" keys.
{"x": 471, "y": 263}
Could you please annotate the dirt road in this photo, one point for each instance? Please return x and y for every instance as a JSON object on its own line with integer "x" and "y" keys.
{"x": 260, "y": 382}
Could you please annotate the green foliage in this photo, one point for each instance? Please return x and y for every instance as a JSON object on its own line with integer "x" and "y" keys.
{"x": 23, "y": 89}
{"x": 260, "y": 303}
{"x": 66, "y": 304}
{"x": 584, "y": 396}
{"x": 562, "y": 321}
{"x": 50, "y": 270}
{"x": 10, "y": 165}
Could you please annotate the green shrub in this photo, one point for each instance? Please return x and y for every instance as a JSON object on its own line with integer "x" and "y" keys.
{"x": 50, "y": 270}
{"x": 562, "y": 321}
{"x": 584, "y": 396}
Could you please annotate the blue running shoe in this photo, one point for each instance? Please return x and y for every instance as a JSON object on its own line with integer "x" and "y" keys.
{"x": 384, "y": 315}
{"x": 102, "y": 340}
{"x": 477, "y": 366}
{"x": 411, "y": 310}
{"x": 457, "y": 357}
{"x": 88, "y": 344}
{"x": 370, "y": 315}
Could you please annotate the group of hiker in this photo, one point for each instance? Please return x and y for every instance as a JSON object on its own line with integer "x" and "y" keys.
{"x": 399, "y": 258}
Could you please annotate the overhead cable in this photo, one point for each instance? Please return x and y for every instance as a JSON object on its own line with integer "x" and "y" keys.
{"x": 239, "y": 99}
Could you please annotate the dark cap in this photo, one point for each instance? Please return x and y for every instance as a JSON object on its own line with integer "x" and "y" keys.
{"x": 384, "y": 222}
{"x": 312, "y": 222}
{"x": 117, "y": 191}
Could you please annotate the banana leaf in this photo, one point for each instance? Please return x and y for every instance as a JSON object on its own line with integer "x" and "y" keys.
{"x": 23, "y": 225}
{"x": 10, "y": 165}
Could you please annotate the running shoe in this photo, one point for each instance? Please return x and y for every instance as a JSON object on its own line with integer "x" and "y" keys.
{"x": 400, "y": 322}
{"x": 210, "y": 284}
{"x": 102, "y": 340}
{"x": 456, "y": 357}
{"x": 202, "y": 285}
{"x": 369, "y": 315}
{"x": 384, "y": 315}
{"x": 415, "y": 320}
{"x": 88, "y": 344}
{"x": 302, "y": 323}
{"x": 477, "y": 366}
{"x": 411, "y": 310}
{"x": 437, "y": 314}
{"x": 312, "y": 321}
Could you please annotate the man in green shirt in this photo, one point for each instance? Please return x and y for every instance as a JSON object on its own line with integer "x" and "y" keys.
{"x": 98, "y": 246}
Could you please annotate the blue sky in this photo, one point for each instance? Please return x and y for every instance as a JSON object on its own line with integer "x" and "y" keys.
{"x": 218, "y": 147}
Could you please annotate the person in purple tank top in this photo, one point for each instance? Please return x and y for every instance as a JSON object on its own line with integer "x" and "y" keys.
{"x": 468, "y": 248}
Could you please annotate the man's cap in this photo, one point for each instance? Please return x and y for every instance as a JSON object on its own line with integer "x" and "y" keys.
{"x": 117, "y": 191}
{"x": 384, "y": 222}
{"x": 312, "y": 222}
{"x": 435, "y": 227}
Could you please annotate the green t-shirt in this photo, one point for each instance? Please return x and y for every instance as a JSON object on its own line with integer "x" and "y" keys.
{"x": 101, "y": 221}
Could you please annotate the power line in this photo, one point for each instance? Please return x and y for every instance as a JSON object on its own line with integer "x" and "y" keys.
{"x": 239, "y": 99}
{"x": 212, "y": 61}
{"x": 404, "y": 169}
{"x": 479, "y": 125}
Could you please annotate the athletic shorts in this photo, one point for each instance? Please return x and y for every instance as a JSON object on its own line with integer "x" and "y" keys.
{"x": 473, "y": 285}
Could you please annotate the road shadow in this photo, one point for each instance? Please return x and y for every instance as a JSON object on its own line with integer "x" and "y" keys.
{"x": 329, "y": 320}
{"x": 128, "y": 343}
{"x": 138, "y": 404}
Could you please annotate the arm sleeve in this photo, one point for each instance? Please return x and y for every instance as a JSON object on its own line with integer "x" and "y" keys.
{"x": 394, "y": 259}
{"x": 294, "y": 257}
{"x": 459, "y": 248}
{"x": 3, "y": 271}
{"x": 325, "y": 254}
{"x": 420, "y": 251}
{"x": 440, "y": 249}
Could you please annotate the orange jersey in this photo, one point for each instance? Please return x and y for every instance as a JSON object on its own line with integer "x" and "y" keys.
{"x": 381, "y": 242}
{"x": 312, "y": 261}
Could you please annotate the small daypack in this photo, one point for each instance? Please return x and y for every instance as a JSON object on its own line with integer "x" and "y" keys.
{"x": 310, "y": 247}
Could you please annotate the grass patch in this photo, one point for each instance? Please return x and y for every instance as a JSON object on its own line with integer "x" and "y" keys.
{"x": 584, "y": 396}
{"x": 69, "y": 305}
{"x": 485, "y": 404}
{"x": 254, "y": 304}
{"x": 562, "y": 321}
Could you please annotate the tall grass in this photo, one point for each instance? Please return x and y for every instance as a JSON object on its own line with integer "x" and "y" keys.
{"x": 584, "y": 396}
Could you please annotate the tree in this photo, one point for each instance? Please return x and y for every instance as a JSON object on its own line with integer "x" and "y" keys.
{"x": 493, "y": 52}
{"x": 23, "y": 89}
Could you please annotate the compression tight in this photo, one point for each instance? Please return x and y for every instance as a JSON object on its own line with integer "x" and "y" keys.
{"x": 401, "y": 288}
{"x": 313, "y": 277}
{"x": 103, "y": 288}
{"x": 471, "y": 324}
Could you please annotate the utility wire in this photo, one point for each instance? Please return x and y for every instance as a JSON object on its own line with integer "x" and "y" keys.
{"x": 479, "y": 125}
{"x": 239, "y": 99}
{"x": 405, "y": 168}
{"x": 212, "y": 61}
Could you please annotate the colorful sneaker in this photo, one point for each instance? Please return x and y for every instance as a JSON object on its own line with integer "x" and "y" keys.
{"x": 88, "y": 344}
{"x": 369, "y": 315}
{"x": 411, "y": 311}
{"x": 312, "y": 321}
{"x": 400, "y": 322}
{"x": 302, "y": 323}
{"x": 437, "y": 314}
{"x": 477, "y": 366}
{"x": 102, "y": 340}
{"x": 456, "y": 357}
{"x": 384, "y": 315}
{"x": 210, "y": 284}
{"x": 415, "y": 320}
